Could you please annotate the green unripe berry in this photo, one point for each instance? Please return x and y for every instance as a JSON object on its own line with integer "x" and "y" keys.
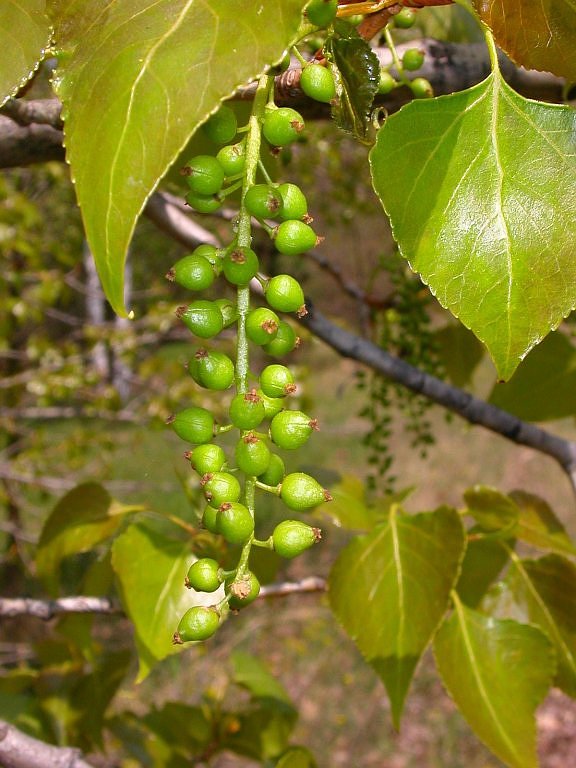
{"x": 387, "y": 82}
{"x": 192, "y": 272}
{"x": 317, "y": 82}
{"x": 282, "y": 126}
{"x": 295, "y": 203}
{"x": 293, "y": 237}
{"x": 204, "y": 175}
{"x": 263, "y": 201}
{"x": 204, "y": 575}
{"x": 247, "y": 410}
{"x": 321, "y": 13}
{"x": 210, "y": 519}
{"x": 284, "y": 342}
{"x": 228, "y": 310}
{"x": 252, "y": 455}
{"x": 235, "y": 523}
{"x": 242, "y": 591}
{"x": 206, "y": 458}
{"x": 300, "y": 491}
{"x": 212, "y": 369}
{"x": 275, "y": 472}
{"x": 292, "y": 537}
{"x": 220, "y": 487}
{"x": 203, "y": 203}
{"x": 291, "y": 429}
{"x": 285, "y": 294}
{"x": 421, "y": 88}
{"x": 412, "y": 59}
{"x": 277, "y": 381}
{"x": 262, "y": 325}
{"x": 202, "y": 317}
{"x": 195, "y": 425}
{"x": 405, "y": 19}
{"x": 209, "y": 252}
{"x": 240, "y": 265}
{"x": 232, "y": 158}
{"x": 221, "y": 127}
{"x": 198, "y": 623}
{"x": 272, "y": 405}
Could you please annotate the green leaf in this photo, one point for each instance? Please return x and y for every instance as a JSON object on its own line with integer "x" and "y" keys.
{"x": 535, "y": 35}
{"x": 539, "y": 526}
{"x": 140, "y": 77}
{"x": 357, "y": 71}
{"x": 543, "y": 592}
{"x": 181, "y": 726}
{"x": 492, "y": 510}
{"x": 83, "y": 518}
{"x": 150, "y": 568}
{"x": 484, "y": 560}
{"x": 297, "y": 757}
{"x": 250, "y": 673}
{"x": 390, "y": 589}
{"x": 482, "y": 199}
{"x": 543, "y": 387}
{"x": 460, "y": 352}
{"x": 497, "y": 672}
{"x": 25, "y": 33}
{"x": 349, "y": 508}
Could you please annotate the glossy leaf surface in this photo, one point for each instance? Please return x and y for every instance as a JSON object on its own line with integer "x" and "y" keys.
{"x": 147, "y": 74}
{"x": 390, "y": 589}
{"x": 535, "y": 35}
{"x": 482, "y": 199}
{"x": 497, "y": 672}
{"x": 25, "y": 34}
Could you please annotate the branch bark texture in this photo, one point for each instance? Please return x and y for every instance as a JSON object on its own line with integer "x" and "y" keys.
{"x": 18, "y": 750}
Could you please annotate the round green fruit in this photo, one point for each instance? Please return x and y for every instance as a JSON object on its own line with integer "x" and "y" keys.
{"x": 282, "y": 125}
{"x": 292, "y": 537}
{"x": 300, "y": 491}
{"x": 321, "y": 13}
{"x": 192, "y": 272}
{"x": 210, "y": 519}
{"x": 263, "y": 201}
{"x": 203, "y": 203}
{"x": 291, "y": 429}
{"x": 317, "y": 82}
{"x": 295, "y": 203}
{"x": 204, "y": 575}
{"x": 405, "y": 18}
{"x": 204, "y": 175}
{"x": 294, "y": 237}
{"x": 242, "y": 590}
{"x": 262, "y": 325}
{"x": 252, "y": 455}
{"x": 202, "y": 317}
{"x": 272, "y": 405}
{"x": 198, "y": 623}
{"x": 228, "y": 310}
{"x": 195, "y": 425}
{"x": 421, "y": 88}
{"x": 235, "y": 523}
{"x": 240, "y": 265}
{"x": 212, "y": 369}
{"x": 221, "y": 127}
{"x": 207, "y": 458}
{"x": 284, "y": 294}
{"x": 387, "y": 82}
{"x": 284, "y": 342}
{"x": 275, "y": 472}
{"x": 247, "y": 410}
{"x": 232, "y": 159}
{"x": 220, "y": 487}
{"x": 412, "y": 59}
{"x": 277, "y": 381}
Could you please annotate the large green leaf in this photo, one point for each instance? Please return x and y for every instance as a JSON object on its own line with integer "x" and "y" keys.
{"x": 480, "y": 187}
{"x": 543, "y": 592}
{"x": 536, "y": 35}
{"x": 24, "y": 36}
{"x": 543, "y": 387}
{"x": 390, "y": 589}
{"x": 539, "y": 526}
{"x": 497, "y": 673}
{"x": 150, "y": 568}
{"x": 86, "y": 516}
{"x": 492, "y": 510}
{"x": 138, "y": 78}
{"x": 484, "y": 560}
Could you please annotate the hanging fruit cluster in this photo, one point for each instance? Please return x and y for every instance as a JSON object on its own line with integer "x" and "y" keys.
{"x": 258, "y": 407}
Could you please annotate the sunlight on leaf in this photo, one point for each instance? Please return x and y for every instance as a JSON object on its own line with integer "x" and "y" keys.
{"x": 25, "y": 33}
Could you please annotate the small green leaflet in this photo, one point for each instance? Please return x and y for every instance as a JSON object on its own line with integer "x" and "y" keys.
{"x": 25, "y": 34}
{"x": 480, "y": 188}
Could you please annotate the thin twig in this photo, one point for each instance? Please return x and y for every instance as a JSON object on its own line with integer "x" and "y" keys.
{"x": 18, "y": 750}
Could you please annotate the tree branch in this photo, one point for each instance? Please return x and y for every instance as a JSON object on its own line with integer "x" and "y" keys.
{"x": 18, "y": 750}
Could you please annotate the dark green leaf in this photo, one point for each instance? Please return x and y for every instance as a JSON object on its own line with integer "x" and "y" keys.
{"x": 181, "y": 726}
{"x": 543, "y": 387}
{"x": 150, "y": 568}
{"x": 357, "y": 71}
{"x": 262, "y": 731}
{"x": 390, "y": 589}
{"x": 492, "y": 510}
{"x": 83, "y": 518}
{"x": 480, "y": 187}
{"x": 25, "y": 34}
{"x": 147, "y": 73}
{"x": 484, "y": 560}
{"x": 535, "y": 35}
{"x": 297, "y": 757}
{"x": 250, "y": 673}
{"x": 460, "y": 352}
{"x": 497, "y": 672}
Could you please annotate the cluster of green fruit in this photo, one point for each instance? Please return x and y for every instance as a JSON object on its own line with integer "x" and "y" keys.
{"x": 412, "y": 59}
{"x": 229, "y": 486}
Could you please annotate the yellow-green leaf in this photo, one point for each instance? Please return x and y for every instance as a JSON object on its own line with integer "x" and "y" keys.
{"x": 24, "y": 36}
{"x": 480, "y": 187}
{"x": 137, "y": 78}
